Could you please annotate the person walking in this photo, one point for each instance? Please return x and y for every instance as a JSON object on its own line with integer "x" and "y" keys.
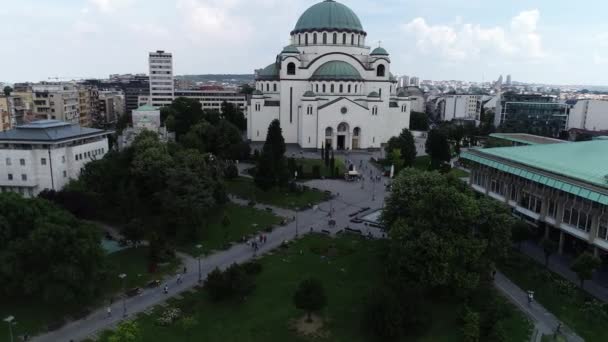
{"x": 179, "y": 278}
{"x": 166, "y": 289}
{"x": 109, "y": 312}
{"x": 185, "y": 270}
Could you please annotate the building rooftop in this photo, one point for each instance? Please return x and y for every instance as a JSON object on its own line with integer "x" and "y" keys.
{"x": 527, "y": 139}
{"x": 147, "y": 108}
{"x": 580, "y": 168}
{"x": 49, "y": 131}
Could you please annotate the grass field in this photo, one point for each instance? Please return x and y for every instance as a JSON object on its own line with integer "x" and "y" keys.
{"x": 349, "y": 269}
{"x": 35, "y": 316}
{"x": 308, "y": 164}
{"x": 243, "y": 221}
{"x": 559, "y": 296}
{"x": 245, "y": 188}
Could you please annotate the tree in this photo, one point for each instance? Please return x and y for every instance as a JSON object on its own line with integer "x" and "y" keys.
{"x": 187, "y": 113}
{"x": 438, "y": 148}
{"x": 549, "y": 248}
{"x": 584, "y": 265}
{"x": 406, "y": 145}
{"x": 187, "y": 324}
{"x": 127, "y": 331}
{"x": 316, "y": 171}
{"x": 520, "y": 232}
{"x": 322, "y": 151}
{"x": 134, "y": 231}
{"x": 7, "y": 91}
{"x": 470, "y": 328}
{"x": 247, "y": 89}
{"x": 310, "y": 297}
{"x": 234, "y": 115}
{"x": 419, "y": 121}
{"x": 332, "y": 165}
{"x": 271, "y": 168}
{"x": 327, "y": 156}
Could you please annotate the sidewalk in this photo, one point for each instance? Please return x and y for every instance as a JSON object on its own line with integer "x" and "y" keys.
{"x": 546, "y": 322}
{"x": 560, "y": 264}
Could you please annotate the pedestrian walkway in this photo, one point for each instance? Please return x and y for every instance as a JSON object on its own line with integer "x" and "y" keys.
{"x": 560, "y": 264}
{"x": 545, "y": 322}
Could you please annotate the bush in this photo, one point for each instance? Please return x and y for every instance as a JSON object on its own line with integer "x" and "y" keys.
{"x": 169, "y": 316}
{"x": 470, "y": 327}
{"x": 231, "y": 171}
{"x": 316, "y": 171}
{"x": 252, "y": 268}
{"x": 233, "y": 282}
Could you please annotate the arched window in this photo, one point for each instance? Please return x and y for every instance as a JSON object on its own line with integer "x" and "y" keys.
{"x": 341, "y": 88}
{"x": 323, "y": 88}
{"x": 357, "y": 131}
{"x": 352, "y": 39}
{"x": 331, "y": 89}
{"x": 299, "y": 39}
{"x": 335, "y": 38}
{"x": 309, "y": 110}
{"x": 314, "y": 38}
{"x": 291, "y": 68}
{"x": 329, "y": 131}
{"x": 267, "y": 86}
{"x": 316, "y": 88}
{"x": 306, "y": 39}
{"x": 342, "y": 127}
{"x": 324, "y": 38}
{"x": 349, "y": 88}
{"x": 381, "y": 71}
{"x": 358, "y": 40}
{"x": 344, "y": 38}
{"x": 274, "y": 87}
{"x": 356, "y": 88}
{"x": 380, "y": 92}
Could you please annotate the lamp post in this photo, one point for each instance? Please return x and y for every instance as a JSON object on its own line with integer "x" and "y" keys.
{"x": 10, "y": 320}
{"x": 373, "y": 190}
{"x": 200, "y": 275}
{"x": 123, "y": 276}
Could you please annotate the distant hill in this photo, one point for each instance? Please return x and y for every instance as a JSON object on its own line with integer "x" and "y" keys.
{"x": 222, "y": 78}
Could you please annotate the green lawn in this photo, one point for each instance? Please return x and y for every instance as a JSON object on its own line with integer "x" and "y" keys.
{"x": 558, "y": 295}
{"x": 34, "y": 315}
{"x": 349, "y": 268}
{"x": 245, "y": 188}
{"x": 243, "y": 221}
{"x": 308, "y": 164}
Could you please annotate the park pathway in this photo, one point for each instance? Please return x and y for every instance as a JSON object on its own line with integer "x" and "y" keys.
{"x": 546, "y": 323}
{"x": 351, "y": 198}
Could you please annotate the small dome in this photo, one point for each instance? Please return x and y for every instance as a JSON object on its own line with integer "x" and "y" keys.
{"x": 328, "y": 16}
{"x": 290, "y": 49}
{"x": 269, "y": 72}
{"x": 402, "y": 94}
{"x": 310, "y": 94}
{"x": 336, "y": 70}
{"x": 379, "y": 51}
{"x": 257, "y": 92}
{"x": 373, "y": 94}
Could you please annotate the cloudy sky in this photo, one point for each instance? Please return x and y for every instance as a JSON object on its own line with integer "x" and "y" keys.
{"x": 551, "y": 41}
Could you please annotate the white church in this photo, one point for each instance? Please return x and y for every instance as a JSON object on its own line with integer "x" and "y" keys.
{"x": 327, "y": 89}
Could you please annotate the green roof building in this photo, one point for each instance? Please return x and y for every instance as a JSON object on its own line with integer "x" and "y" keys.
{"x": 328, "y": 16}
{"x": 561, "y": 188}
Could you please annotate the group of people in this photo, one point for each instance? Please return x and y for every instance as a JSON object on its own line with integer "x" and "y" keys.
{"x": 257, "y": 242}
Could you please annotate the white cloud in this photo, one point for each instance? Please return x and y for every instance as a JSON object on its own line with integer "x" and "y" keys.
{"x": 465, "y": 41}
{"x": 214, "y": 20}
{"x": 599, "y": 59}
{"x": 109, "y": 5}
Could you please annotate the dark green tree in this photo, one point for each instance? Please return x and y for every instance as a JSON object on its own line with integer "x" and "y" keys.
{"x": 134, "y": 231}
{"x": 520, "y": 232}
{"x": 419, "y": 121}
{"x": 438, "y": 148}
{"x": 310, "y": 297}
{"x": 584, "y": 265}
{"x": 549, "y": 248}
{"x": 271, "y": 167}
{"x": 332, "y": 165}
{"x": 234, "y": 115}
{"x": 187, "y": 113}
{"x": 247, "y": 89}
{"x": 127, "y": 331}
{"x": 407, "y": 148}
{"x": 470, "y": 328}
{"x": 327, "y": 156}
{"x": 7, "y": 91}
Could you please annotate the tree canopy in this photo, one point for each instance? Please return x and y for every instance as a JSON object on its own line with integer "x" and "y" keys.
{"x": 419, "y": 121}
{"x": 272, "y": 166}
{"x": 310, "y": 296}
{"x": 405, "y": 145}
{"x": 437, "y": 147}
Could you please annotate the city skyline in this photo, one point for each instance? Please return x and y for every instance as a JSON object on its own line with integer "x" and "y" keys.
{"x": 438, "y": 40}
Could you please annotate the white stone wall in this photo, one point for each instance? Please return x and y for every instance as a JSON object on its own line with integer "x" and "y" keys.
{"x": 590, "y": 115}
{"x": 61, "y": 159}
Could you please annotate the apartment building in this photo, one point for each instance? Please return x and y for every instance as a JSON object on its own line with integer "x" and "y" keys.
{"x": 213, "y": 99}
{"x": 589, "y": 115}
{"x": 56, "y": 101}
{"x": 459, "y": 107}
{"x": 111, "y": 105}
{"x": 5, "y": 117}
{"x": 162, "y": 86}
{"x": 533, "y": 113}
{"x": 88, "y": 98}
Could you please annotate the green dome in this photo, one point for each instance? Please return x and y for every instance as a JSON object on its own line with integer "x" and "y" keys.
{"x": 290, "y": 49}
{"x": 379, "y": 52}
{"x": 336, "y": 70}
{"x": 373, "y": 94}
{"x": 269, "y": 72}
{"x": 309, "y": 94}
{"x": 330, "y": 16}
{"x": 257, "y": 92}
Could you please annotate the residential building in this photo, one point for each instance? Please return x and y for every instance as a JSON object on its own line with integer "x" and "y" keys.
{"x": 111, "y": 105}
{"x": 21, "y": 104}
{"x": 560, "y": 188}
{"x": 415, "y": 81}
{"x": 88, "y": 98}
{"x": 5, "y": 114}
{"x": 213, "y": 99}
{"x": 132, "y": 86}
{"x": 459, "y": 107}
{"x": 531, "y": 113}
{"x": 328, "y": 88}
{"x": 590, "y": 115}
{"x": 162, "y": 87}
{"x": 47, "y": 154}
{"x": 508, "y": 80}
{"x": 56, "y": 101}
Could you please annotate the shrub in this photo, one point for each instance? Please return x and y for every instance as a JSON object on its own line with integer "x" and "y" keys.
{"x": 169, "y": 316}
{"x": 235, "y": 281}
{"x": 231, "y": 171}
{"x": 316, "y": 171}
{"x": 252, "y": 268}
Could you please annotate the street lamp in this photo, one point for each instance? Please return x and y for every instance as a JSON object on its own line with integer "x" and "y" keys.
{"x": 123, "y": 276}
{"x": 10, "y": 320}
{"x": 199, "y": 247}
{"x": 296, "y": 217}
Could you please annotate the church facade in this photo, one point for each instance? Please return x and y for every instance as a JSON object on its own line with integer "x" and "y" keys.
{"x": 327, "y": 89}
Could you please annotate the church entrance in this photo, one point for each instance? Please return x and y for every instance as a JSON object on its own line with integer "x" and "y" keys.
{"x": 356, "y": 135}
{"x": 341, "y": 142}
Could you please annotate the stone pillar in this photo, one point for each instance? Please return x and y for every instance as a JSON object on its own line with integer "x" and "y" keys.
{"x": 595, "y": 224}
{"x": 562, "y": 238}
{"x": 472, "y": 175}
{"x": 487, "y": 182}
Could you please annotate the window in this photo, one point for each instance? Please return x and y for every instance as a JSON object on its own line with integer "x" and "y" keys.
{"x": 274, "y": 87}
{"x": 496, "y": 186}
{"x": 324, "y": 38}
{"x": 8, "y": 162}
{"x": 341, "y": 89}
{"x": 404, "y": 108}
{"x": 22, "y": 162}
{"x": 358, "y": 40}
{"x": 335, "y": 38}
{"x": 23, "y": 177}
{"x": 306, "y": 39}
{"x": 531, "y": 202}
{"x": 331, "y": 89}
{"x": 43, "y": 161}
{"x": 324, "y": 88}
{"x": 552, "y": 212}
{"x": 352, "y": 39}
{"x": 309, "y": 110}
{"x": 349, "y": 88}
{"x": 381, "y": 70}
{"x": 344, "y": 38}
{"x": 316, "y": 88}
{"x": 258, "y": 133}
{"x": 375, "y": 110}
{"x": 314, "y": 38}
{"x": 10, "y": 176}
{"x": 299, "y": 39}
{"x": 267, "y": 86}
{"x": 356, "y": 88}
{"x": 513, "y": 193}
{"x": 65, "y": 173}
{"x": 602, "y": 232}
{"x": 291, "y": 68}
{"x": 380, "y": 92}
